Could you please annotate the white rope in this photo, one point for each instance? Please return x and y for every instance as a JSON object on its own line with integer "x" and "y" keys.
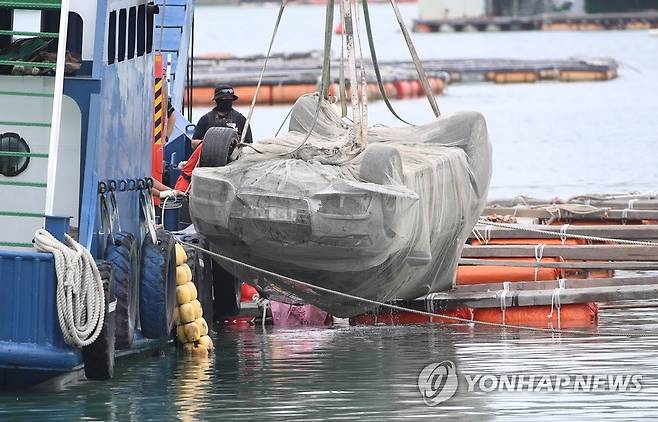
{"x": 484, "y": 221}
{"x": 555, "y": 302}
{"x": 539, "y": 255}
{"x": 487, "y": 234}
{"x": 80, "y": 297}
{"x": 563, "y": 233}
{"x": 502, "y": 294}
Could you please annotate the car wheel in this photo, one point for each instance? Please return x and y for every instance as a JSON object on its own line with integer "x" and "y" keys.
{"x": 381, "y": 164}
{"x": 218, "y": 145}
{"x": 157, "y": 296}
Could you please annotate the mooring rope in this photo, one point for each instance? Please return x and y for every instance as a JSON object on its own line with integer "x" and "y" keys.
{"x": 562, "y": 234}
{"x": 402, "y": 308}
{"x": 80, "y": 296}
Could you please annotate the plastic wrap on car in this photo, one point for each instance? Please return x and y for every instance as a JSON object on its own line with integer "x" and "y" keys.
{"x": 309, "y": 216}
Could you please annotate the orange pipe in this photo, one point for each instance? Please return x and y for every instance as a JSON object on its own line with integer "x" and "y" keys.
{"x": 288, "y": 94}
{"x": 554, "y": 241}
{"x": 403, "y": 318}
{"x": 571, "y": 315}
{"x": 483, "y": 274}
{"x": 403, "y": 89}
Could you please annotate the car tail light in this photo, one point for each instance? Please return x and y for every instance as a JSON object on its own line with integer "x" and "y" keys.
{"x": 344, "y": 204}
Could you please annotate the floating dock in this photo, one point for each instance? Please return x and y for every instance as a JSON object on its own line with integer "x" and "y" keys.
{"x": 545, "y": 263}
{"x": 543, "y": 22}
{"x": 289, "y": 76}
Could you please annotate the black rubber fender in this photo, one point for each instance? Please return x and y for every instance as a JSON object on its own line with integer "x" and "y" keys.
{"x": 218, "y": 145}
{"x": 123, "y": 254}
{"x": 157, "y": 296}
{"x": 98, "y": 357}
{"x": 227, "y": 289}
{"x": 202, "y": 279}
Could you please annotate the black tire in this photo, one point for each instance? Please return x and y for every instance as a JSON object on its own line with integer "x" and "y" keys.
{"x": 218, "y": 145}
{"x": 202, "y": 281}
{"x": 227, "y": 292}
{"x": 381, "y": 164}
{"x": 123, "y": 254}
{"x": 158, "y": 287}
{"x": 98, "y": 357}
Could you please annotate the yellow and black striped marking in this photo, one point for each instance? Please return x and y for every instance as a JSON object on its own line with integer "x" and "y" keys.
{"x": 157, "y": 115}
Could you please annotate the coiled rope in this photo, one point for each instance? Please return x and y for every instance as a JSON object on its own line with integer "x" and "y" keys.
{"x": 80, "y": 296}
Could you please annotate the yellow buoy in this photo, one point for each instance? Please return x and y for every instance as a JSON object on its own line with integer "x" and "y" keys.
{"x": 181, "y": 256}
{"x": 180, "y": 333}
{"x": 206, "y": 341}
{"x": 199, "y": 351}
{"x": 193, "y": 292}
{"x": 183, "y": 275}
{"x": 198, "y": 311}
{"x": 192, "y": 331}
{"x": 203, "y": 326}
{"x": 184, "y": 295}
{"x": 187, "y": 313}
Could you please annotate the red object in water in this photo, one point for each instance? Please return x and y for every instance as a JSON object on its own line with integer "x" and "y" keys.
{"x": 339, "y": 29}
{"x": 248, "y": 293}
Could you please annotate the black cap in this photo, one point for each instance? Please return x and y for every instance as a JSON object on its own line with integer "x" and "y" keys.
{"x": 224, "y": 92}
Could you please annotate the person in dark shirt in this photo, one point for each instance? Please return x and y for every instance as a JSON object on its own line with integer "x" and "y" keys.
{"x": 222, "y": 115}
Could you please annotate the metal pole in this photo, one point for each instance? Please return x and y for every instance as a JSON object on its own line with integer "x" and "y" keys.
{"x": 55, "y": 123}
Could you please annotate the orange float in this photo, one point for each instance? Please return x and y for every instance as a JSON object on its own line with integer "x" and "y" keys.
{"x": 550, "y": 241}
{"x": 403, "y": 89}
{"x": 390, "y": 90}
{"x": 288, "y": 94}
{"x": 403, "y": 318}
{"x": 571, "y": 315}
{"x": 484, "y": 274}
{"x": 437, "y": 85}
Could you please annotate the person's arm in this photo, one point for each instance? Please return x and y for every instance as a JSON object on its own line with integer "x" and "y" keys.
{"x": 161, "y": 190}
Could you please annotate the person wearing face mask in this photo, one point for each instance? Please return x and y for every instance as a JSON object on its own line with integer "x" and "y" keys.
{"x": 223, "y": 115}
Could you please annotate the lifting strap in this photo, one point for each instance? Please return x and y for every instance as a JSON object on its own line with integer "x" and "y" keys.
{"x": 375, "y": 63}
{"x": 414, "y": 56}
